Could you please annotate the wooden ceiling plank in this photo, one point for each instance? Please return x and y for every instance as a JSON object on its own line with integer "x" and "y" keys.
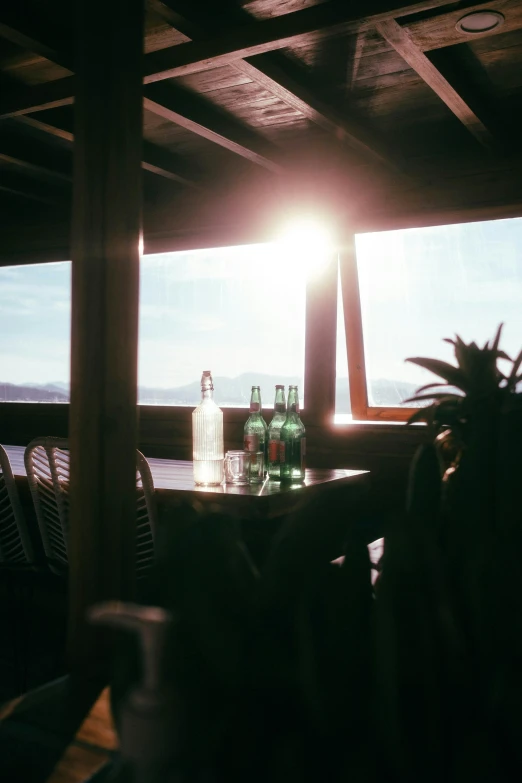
{"x": 209, "y": 123}
{"x": 52, "y": 130}
{"x": 261, "y": 36}
{"x": 249, "y": 39}
{"x": 34, "y": 159}
{"x": 158, "y": 101}
{"x": 34, "y": 168}
{"x": 24, "y": 30}
{"x": 155, "y": 159}
{"x": 440, "y": 31}
{"x": 274, "y": 78}
{"x": 403, "y": 43}
{"x": 26, "y": 100}
{"x": 30, "y": 188}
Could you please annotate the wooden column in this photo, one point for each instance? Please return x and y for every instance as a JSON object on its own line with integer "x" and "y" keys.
{"x": 320, "y": 342}
{"x": 106, "y": 231}
{"x": 353, "y": 327}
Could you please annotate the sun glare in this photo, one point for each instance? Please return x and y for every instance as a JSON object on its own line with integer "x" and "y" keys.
{"x": 306, "y": 244}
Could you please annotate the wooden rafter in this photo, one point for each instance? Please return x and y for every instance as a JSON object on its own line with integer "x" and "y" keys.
{"x": 192, "y": 112}
{"x": 34, "y": 161}
{"x": 180, "y": 107}
{"x": 267, "y": 35}
{"x": 155, "y": 159}
{"x": 247, "y": 40}
{"x": 403, "y": 43}
{"x": 24, "y": 31}
{"x": 275, "y": 76}
{"x": 30, "y": 188}
{"x": 441, "y": 31}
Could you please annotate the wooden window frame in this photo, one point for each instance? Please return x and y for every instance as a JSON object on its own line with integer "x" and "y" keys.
{"x": 360, "y": 409}
{"x": 320, "y": 369}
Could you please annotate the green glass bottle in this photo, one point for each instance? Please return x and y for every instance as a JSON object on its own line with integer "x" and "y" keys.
{"x": 256, "y": 432}
{"x": 274, "y": 434}
{"x": 293, "y": 441}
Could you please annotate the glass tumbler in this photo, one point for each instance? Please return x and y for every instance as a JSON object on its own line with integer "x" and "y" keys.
{"x": 257, "y": 467}
{"x": 237, "y": 467}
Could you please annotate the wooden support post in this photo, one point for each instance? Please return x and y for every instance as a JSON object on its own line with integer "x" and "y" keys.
{"x": 106, "y": 230}
{"x": 320, "y": 342}
{"x": 354, "y": 330}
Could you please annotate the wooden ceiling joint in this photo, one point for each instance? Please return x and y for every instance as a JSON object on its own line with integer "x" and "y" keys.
{"x": 403, "y": 43}
{"x": 193, "y": 113}
{"x": 278, "y": 77}
{"x": 155, "y": 159}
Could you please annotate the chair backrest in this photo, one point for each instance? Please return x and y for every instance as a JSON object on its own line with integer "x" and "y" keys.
{"x": 15, "y": 543}
{"x": 47, "y": 466}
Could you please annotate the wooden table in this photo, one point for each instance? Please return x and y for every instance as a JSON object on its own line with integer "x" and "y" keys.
{"x": 174, "y": 484}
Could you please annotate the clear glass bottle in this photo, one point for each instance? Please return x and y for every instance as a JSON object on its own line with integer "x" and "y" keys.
{"x": 255, "y": 434}
{"x": 274, "y": 434}
{"x": 293, "y": 441}
{"x": 207, "y": 437}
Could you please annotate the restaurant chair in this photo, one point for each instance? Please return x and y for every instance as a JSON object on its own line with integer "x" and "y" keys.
{"x": 16, "y": 550}
{"x": 16, "y": 558}
{"x": 47, "y": 466}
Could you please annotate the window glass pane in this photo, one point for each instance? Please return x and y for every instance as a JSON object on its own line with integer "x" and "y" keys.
{"x": 35, "y": 305}
{"x": 239, "y": 312}
{"x": 421, "y": 285}
{"x": 343, "y": 408}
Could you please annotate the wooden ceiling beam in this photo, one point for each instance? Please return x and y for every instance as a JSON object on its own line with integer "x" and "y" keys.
{"x": 193, "y": 113}
{"x": 403, "y": 43}
{"x": 31, "y": 188}
{"x": 276, "y": 75}
{"x": 155, "y": 159}
{"x": 23, "y": 30}
{"x": 267, "y": 35}
{"x": 182, "y": 108}
{"x": 440, "y": 31}
{"x": 21, "y": 99}
{"x": 34, "y": 161}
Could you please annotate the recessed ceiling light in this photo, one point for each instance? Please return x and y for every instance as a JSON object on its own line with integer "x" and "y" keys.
{"x": 480, "y": 22}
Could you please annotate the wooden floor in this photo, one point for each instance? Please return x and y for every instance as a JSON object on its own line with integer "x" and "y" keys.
{"x": 45, "y": 737}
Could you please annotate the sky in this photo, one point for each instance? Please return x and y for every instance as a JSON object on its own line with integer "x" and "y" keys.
{"x": 421, "y": 285}
{"x": 242, "y": 309}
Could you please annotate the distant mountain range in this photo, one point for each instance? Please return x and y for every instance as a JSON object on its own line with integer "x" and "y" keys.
{"x": 228, "y": 391}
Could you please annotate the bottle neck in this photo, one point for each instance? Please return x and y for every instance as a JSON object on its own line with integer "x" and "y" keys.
{"x": 279, "y": 402}
{"x": 293, "y": 402}
{"x": 207, "y": 387}
{"x": 255, "y": 401}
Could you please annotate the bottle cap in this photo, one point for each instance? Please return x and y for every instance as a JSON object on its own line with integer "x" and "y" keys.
{"x": 279, "y": 386}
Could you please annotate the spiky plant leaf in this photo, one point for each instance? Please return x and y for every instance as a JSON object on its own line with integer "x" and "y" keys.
{"x": 435, "y": 396}
{"x": 448, "y": 372}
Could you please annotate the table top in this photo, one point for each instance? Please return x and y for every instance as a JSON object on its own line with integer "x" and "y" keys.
{"x": 173, "y": 479}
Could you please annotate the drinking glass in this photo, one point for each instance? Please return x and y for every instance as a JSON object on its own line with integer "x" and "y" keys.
{"x": 257, "y": 467}
{"x": 237, "y": 467}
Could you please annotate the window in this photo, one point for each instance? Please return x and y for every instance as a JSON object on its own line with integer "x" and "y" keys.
{"x": 280, "y": 313}
{"x": 418, "y": 286}
{"x": 35, "y": 310}
{"x": 238, "y": 311}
